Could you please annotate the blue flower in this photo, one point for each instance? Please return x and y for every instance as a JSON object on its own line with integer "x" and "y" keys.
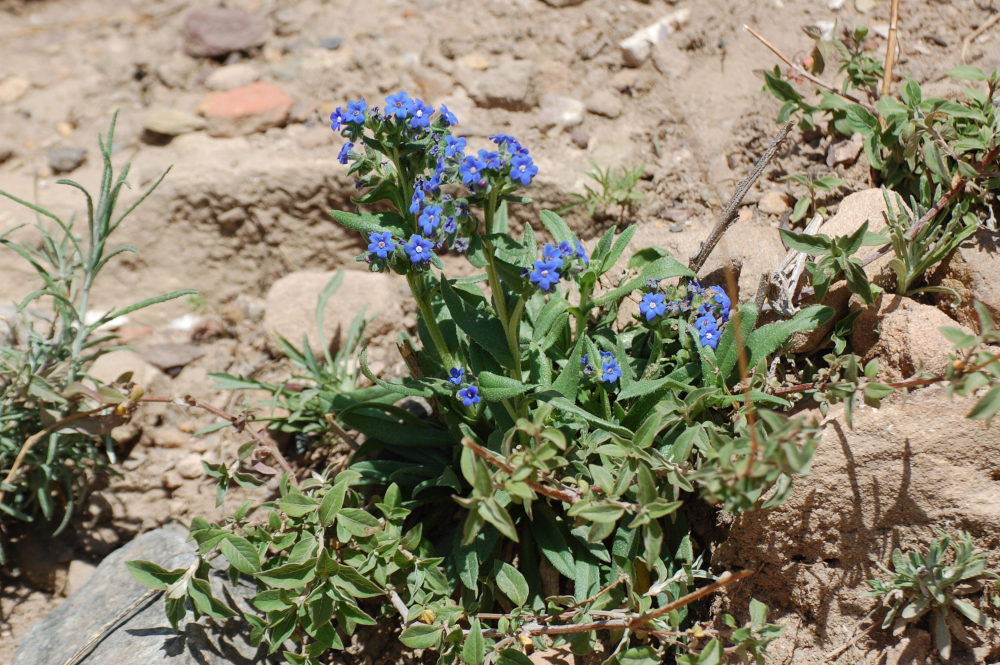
{"x": 420, "y": 114}
{"x": 546, "y": 274}
{"x": 705, "y": 321}
{"x": 512, "y": 144}
{"x": 455, "y": 375}
{"x": 652, "y": 305}
{"x": 449, "y": 225}
{"x": 470, "y": 395}
{"x": 399, "y": 105}
{"x": 695, "y": 287}
{"x": 430, "y": 219}
{"x": 522, "y": 169}
{"x": 471, "y": 171}
{"x": 724, "y": 302}
{"x": 709, "y": 334}
{"x": 356, "y": 112}
{"x": 610, "y": 372}
{"x": 551, "y": 253}
{"x": 606, "y": 355}
{"x": 581, "y": 252}
{"x": 565, "y": 249}
{"x": 337, "y": 119}
{"x": 453, "y": 147}
{"x": 448, "y": 117}
{"x": 345, "y": 153}
{"x": 418, "y": 249}
{"x": 381, "y": 244}
{"x": 585, "y": 361}
{"x": 652, "y": 282}
{"x": 417, "y": 202}
{"x": 490, "y": 159}
{"x": 461, "y": 245}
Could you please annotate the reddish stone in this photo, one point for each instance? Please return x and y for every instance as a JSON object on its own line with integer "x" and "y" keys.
{"x": 247, "y": 109}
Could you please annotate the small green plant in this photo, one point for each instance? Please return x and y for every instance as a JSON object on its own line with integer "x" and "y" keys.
{"x": 614, "y": 188}
{"x": 836, "y": 259}
{"x": 934, "y": 583}
{"x": 806, "y": 205}
{"x": 54, "y": 430}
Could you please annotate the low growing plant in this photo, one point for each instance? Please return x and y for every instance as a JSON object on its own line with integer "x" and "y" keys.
{"x": 54, "y": 429}
{"x": 546, "y": 497}
{"x": 934, "y": 583}
{"x": 614, "y": 188}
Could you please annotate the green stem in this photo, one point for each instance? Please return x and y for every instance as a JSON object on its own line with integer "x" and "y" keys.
{"x": 513, "y": 343}
{"x": 422, "y": 297}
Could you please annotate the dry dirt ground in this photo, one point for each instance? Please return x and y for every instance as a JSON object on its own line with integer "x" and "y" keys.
{"x": 235, "y": 214}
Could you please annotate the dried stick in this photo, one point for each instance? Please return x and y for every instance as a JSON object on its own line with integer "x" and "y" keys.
{"x": 728, "y": 215}
{"x": 890, "y": 49}
{"x": 967, "y": 42}
{"x": 803, "y": 73}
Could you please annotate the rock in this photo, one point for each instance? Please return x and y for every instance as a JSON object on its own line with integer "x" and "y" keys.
{"x": 562, "y": 3}
{"x": 215, "y": 32}
{"x": 913, "y": 648}
{"x": 558, "y": 111}
{"x": 110, "y": 366}
{"x": 604, "y": 103}
{"x": 553, "y": 656}
{"x": 844, "y": 152}
{"x": 79, "y": 573}
{"x": 65, "y": 129}
{"x": 510, "y": 85}
{"x": 13, "y": 88}
{"x": 287, "y": 21}
{"x": 637, "y": 48}
{"x": 312, "y": 137}
{"x": 171, "y": 437}
{"x": 906, "y": 470}
{"x": 64, "y": 160}
{"x": 331, "y": 43}
{"x": 865, "y": 6}
{"x": 773, "y": 203}
{"x": 172, "y": 479}
{"x": 247, "y": 109}
{"x": 171, "y": 356}
{"x": 291, "y": 306}
{"x": 145, "y": 637}
{"x": 903, "y": 334}
{"x": 868, "y": 205}
{"x": 190, "y": 466}
{"x": 232, "y": 76}
{"x": 971, "y": 271}
{"x": 476, "y": 61}
{"x": 580, "y": 138}
{"x": 171, "y": 122}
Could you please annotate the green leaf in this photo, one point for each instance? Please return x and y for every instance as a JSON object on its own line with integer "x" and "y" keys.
{"x": 421, "y": 636}
{"x": 290, "y": 575}
{"x": 240, "y": 554}
{"x": 332, "y": 502}
{"x": 967, "y": 73}
{"x": 152, "y": 575}
{"x": 639, "y": 656}
{"x": 987, "y": 406}
{"x": 357, "y": 522}
{"x": 355, "y": 583}
{"x": 512, "y": 583}
{"x": 556, "y": 226}
{"x": 200, "y": 592}
{"x": 596, "y": 512}
{"x": 478, "y": 322}
{"x": 297, "y": 504}
{"x": 497, "y": 387}
{"x": 550, "y": 539}
{"x": 767, "y": 339}
{"x": 815, "y": 245}
{"x": 474, "y": 648}
{"x": 712, "y": 654}
{"x": 512, "y": 657}
{"x": 491, "y": 511}
{"x": 272, "y": 600}
{"x": 372, "y": 222}
{"x": 567, "y": 406}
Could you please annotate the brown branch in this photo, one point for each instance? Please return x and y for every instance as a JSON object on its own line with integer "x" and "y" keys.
{"x": 890, "y": 49}
{"x": 967, "y": 42}
{"x": 803, "y": 73}
{"x": 563, "y": 494}
{"x": 728, "y": 215}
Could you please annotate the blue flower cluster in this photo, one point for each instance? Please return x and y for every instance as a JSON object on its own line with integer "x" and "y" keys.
{"x": 610, "y": 371}
{"x": 710, "y": 316}
{"x": 470, "y": 393}
{"x": 557, "y": 262}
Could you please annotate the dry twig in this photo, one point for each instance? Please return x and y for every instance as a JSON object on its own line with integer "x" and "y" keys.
{"x": 890, "y": 49}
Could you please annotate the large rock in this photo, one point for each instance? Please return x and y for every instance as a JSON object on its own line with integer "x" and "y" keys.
{"x": 217, "y": 31}
{"x": 171, "y": 122}
{"x": 972, "y": 271}
{"x": 510, "y": 85}
{"x": 636, "y": 48}
{"x": 903, "y": 334}
{"x": 147, "y": 636}
{"x": 291, "y": 305}
{"x": 892, "y": 481}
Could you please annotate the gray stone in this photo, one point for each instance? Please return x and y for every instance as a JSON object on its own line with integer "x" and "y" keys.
{"x": 171, "y": 122}
{"x": 604, "y": 103}
{"x": 559, "y": 111}
{"x": 331, "y": 43}
{"x": 171, "y": 356}
{"x": 147, "y": 636}
{"x": 509, "y": 85}
{"x": 64, "y": 160}
{"x": 215, "y": 32}
{"x": 287, "y": 21}
{"x": 562, "y": 3}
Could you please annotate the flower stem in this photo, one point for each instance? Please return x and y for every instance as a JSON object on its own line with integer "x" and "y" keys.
{"x": 422, "y": 296}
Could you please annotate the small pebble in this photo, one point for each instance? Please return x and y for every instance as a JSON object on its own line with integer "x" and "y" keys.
{"x": 331, "y": 43}
{"x": 64, "y": 160}
{"x": 580, "y": 138}
{"x": 190, "y": 466}
{"x": 773, "y": 203}
{"x": 172, "y": 480}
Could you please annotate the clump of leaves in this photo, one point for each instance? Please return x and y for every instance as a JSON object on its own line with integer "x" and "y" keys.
{"x": 935, "y": 583}
{"x": 806, "y": 205}
{"x": 836, "y": 259}
{"x": 613, "y": 188}
{"x": 54, "y": 430}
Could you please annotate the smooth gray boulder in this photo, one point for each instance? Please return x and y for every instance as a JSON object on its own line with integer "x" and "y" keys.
{"x": 147, "y": 636}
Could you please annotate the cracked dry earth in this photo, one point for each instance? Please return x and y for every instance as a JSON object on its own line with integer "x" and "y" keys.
{"x": 244, "y": 206}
